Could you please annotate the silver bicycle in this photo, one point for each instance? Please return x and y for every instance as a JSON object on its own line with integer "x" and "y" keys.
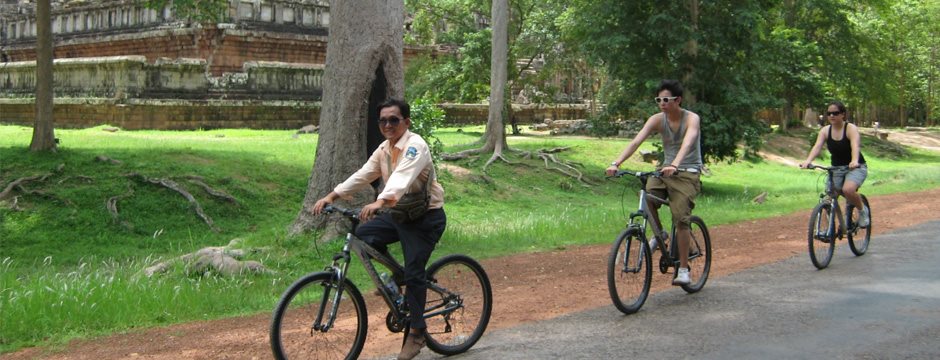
{"x": 629, "y": 267}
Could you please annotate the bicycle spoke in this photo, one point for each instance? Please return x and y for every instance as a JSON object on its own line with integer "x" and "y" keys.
{"x": 629, "y": 272}
{"x": 699, "y": 255}
{"x": 459, "y": 304}
{"x": 299, "y": 328}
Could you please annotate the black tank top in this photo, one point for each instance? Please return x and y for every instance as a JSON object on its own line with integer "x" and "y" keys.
{"x": 841, "y": 150}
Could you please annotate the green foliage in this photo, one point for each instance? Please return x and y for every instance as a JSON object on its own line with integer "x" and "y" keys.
{"x": 463, "y": 78}
{"x": 603, "y": 125}
{"x": 425, "y": 118}
{"x": 642, "y": 43}
{"x": 463, "y": 73}
{"x": 199, "y": 11}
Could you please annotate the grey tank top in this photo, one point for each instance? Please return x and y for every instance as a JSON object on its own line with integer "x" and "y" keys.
{"x": 672, "y": 141}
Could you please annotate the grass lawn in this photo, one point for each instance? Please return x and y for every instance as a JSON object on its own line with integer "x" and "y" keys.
{"x": 67, "y": 269}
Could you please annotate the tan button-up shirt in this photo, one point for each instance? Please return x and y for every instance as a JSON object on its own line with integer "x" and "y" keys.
{"x": 407, "y": 174}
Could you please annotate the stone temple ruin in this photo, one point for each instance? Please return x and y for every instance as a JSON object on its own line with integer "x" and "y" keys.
{"x": 120, "y": 63}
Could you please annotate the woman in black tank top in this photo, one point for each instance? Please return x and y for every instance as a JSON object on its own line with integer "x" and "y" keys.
{"x": 844, "y": 143}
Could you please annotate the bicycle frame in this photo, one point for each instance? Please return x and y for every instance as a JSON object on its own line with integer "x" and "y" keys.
{"x": 643, "y": 211}
{"x": 366, "y": 254}
{"x": 831, "y": 196}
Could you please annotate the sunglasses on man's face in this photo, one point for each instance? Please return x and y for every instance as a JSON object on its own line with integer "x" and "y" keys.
{"x": 665, "y": 99}
{"x": 390, "y": 121}
{"x": 834, "y": 113}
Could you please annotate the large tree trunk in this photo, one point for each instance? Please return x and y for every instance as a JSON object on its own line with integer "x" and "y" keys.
{"x": 363, "y": 67}
{"x": 43, "y": 129}
{"x": 495, "y": 131}
{"x": 930, "y": 83}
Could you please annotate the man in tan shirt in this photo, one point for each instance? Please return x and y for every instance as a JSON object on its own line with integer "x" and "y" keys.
{"x": 403, "y": 162}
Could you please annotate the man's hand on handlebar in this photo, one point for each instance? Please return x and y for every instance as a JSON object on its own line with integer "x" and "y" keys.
{"x": 668, "y": 170}
{"x": 370, "y": 210}
{"x": 317, "y": 208}
{"x": 612, "y": 170}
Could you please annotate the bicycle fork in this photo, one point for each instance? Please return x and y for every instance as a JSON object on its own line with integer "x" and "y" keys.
{"x": 338, "y": 272}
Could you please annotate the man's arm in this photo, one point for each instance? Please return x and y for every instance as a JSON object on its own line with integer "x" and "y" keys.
{"x": 652, "y": 124}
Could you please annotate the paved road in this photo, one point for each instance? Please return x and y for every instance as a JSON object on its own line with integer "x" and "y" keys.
{"x": 884, "y": 305}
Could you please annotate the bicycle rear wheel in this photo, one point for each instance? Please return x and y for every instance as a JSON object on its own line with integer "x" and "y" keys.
{"x": 700, "y": 255}
{"x": 295, "y": 333}
{"x": 860, "y": 237}
{"x": 629, "y": 271}
{"x": 821, "y": 238}
{"x": 464, "y": 306}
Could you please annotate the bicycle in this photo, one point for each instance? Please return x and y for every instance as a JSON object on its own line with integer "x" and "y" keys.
{"x": 323, "y": 314}
{"x": 629, "y": 267}
{"x": 823, "y": 231}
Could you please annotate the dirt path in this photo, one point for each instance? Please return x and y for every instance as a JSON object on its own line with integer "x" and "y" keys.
{"x": 527, "y": 287}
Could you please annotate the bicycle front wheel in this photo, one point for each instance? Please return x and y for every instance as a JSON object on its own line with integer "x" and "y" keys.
{"x": 629, "y": 271}
{"x": 821, "y": 238}
{"x": 300, "y": 327}
{"x": 459, "y": 304}
{"x": 700, "y": 255}
{"x": 860, "y": 237}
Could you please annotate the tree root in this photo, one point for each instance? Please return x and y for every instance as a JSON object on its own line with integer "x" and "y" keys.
{"x": 16, "y": 184}
{"x": 222, "y": 260}
{"x": 111, "y": 204}
{"x": 551, "y": 162}
{"x": 500, "y": 157}
{"x": 217, "y": 193}
{"x": 461, "y": 154}
{"x": 172, "y": 185}
{"x": 563, "y": 167}
{"x": 102, "y": 158}
{"x": 84, "y": 178}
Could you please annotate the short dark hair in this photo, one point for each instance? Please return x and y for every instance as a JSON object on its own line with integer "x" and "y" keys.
{"x": 839, "y": 105}
{"x": 402, "y": 105}
{"x": 674, "y": 87}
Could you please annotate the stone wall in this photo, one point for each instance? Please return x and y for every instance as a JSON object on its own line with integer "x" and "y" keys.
{"x": 132, "y": 77}
{"x": 144, "y": 114}
{"x": 129, "y": 92}
{"x": 475, "y": 114}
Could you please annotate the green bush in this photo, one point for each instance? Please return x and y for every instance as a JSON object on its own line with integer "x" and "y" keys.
{"x": 425, "y": 118}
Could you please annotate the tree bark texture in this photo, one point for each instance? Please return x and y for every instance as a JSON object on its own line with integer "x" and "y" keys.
{"x": 43, "y": 128}
{"x": 495, "y": 131}
{"x": 365, "y": 45}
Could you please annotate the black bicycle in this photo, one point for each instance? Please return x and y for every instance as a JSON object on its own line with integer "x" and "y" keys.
{"x": 826, "y": 223}
{"x": 323, "y": 315}
{"x": 629, "y": 267}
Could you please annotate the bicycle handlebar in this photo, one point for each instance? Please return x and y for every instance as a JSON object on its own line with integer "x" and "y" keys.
{"x": 350, "y": 213}
{"x": 827, "y": 168}
{"x": 639, "y": 174}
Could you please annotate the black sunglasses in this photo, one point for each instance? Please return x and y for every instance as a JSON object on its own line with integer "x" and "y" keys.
{"x": 834, "y": 113}
{"x": 393, "y": 121}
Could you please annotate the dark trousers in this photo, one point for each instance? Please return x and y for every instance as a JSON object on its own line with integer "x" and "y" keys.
{"x": 417, "y": 242}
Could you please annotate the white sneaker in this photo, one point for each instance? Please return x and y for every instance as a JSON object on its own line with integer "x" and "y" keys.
{"x": 864, "y": 219}
{"x": 682, "y": 277}
{"x": 653, "y": 244}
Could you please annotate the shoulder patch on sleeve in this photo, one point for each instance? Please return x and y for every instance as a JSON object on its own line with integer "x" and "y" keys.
{"x": 411, "y": 153}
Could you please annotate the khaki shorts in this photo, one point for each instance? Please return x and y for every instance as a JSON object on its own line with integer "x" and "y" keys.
{"x": 681, "y": 190}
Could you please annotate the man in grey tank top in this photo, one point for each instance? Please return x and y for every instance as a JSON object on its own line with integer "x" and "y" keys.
{"x": 681, "y": 166}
